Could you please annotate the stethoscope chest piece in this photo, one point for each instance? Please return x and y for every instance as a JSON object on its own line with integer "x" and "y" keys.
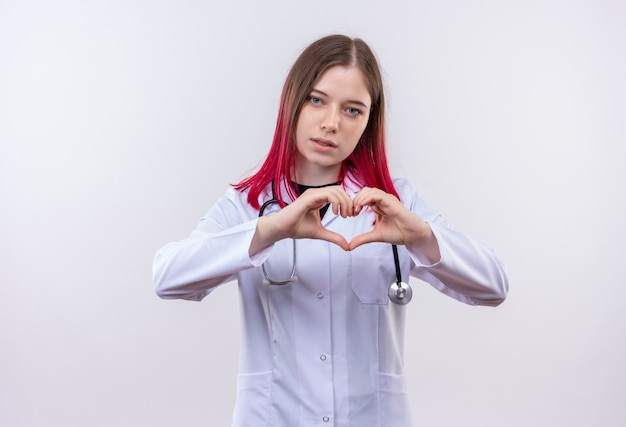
{"x": 400, "y": 293}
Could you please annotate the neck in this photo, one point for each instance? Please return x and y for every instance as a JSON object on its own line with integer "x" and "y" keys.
{"x": 313, "y": 175}
{"x": 303, "y": 187}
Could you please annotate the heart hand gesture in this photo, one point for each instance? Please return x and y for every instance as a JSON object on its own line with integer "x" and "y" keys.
{"x": 394, "y": 222}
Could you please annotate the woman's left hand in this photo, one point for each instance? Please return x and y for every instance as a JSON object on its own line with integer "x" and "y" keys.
{"x": 394, "y": 224}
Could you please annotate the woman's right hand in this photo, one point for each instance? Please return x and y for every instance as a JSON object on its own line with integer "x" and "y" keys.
{"x": 301, "y": 219}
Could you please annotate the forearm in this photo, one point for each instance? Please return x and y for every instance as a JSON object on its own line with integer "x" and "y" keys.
{"x": 427, "y": 245}
{"x": 467, "y": 266}
{"x": 191, "y": 268}
{"x": 266, "y": 233}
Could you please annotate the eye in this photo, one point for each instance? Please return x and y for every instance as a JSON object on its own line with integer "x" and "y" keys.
{"x": 353, "y": 111}
{"x": 315, "y": 100}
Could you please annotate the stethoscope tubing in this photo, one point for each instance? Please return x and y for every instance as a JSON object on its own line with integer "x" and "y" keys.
{"x": 293, "y": 262}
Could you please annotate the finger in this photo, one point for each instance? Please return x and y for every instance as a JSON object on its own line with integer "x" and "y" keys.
{"x": 367, "y": 197}
{"x": 332, "y": 237}
{"x": 380, "y": 202}
{"x": 361, "y": 239}
{"x": 340, "y": 201}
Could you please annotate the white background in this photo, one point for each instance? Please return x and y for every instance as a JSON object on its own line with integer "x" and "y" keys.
{"x": 121, "y": 122}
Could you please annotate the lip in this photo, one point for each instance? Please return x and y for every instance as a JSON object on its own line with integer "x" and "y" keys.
{"x": 324, "y": 143}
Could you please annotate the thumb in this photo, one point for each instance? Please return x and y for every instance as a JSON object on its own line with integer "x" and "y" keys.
{"x": 332, "y": 237}
{"x": 361, "y": 239}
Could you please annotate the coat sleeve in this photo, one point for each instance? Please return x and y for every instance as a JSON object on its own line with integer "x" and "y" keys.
{"x": 469, "y": 270}
{"x": 213, "y": 254}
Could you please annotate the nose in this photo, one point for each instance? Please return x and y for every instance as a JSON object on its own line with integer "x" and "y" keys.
{"x": 330, "y": 121}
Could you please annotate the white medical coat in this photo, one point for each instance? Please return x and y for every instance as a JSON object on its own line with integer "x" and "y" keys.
{"x": 327, "y": 349}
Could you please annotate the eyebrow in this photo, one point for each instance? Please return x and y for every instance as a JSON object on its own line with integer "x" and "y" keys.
{"x": 350, "y": 101}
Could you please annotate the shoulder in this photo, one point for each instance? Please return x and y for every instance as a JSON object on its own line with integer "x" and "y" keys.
{"x": 413, "y": 200}
{"x": 405, "y": 189}
{"x": 240, "y": 197}
{"x": 232, "y": 207}
{"x": 401, "y": 183}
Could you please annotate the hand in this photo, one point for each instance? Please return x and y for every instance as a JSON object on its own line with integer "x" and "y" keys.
{"x": 394, "y": 223}
{"x": 301, "y": 219}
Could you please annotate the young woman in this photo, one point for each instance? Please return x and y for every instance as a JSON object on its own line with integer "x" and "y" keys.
{"x": 322, "y": 312}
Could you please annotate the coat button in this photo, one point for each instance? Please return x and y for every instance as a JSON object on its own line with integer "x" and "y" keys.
{"x": 320, "y": 296}
{"x": 326, "y": 419}
{"x": 323, "y": 357}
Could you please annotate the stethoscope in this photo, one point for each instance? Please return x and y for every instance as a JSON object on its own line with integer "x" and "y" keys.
{"x": 399, "y": 291}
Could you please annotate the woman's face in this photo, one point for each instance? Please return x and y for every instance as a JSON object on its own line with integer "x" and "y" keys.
{"x": 331, "y": 122}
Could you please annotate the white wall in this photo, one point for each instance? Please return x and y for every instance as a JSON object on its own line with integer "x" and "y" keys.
{"x": 122, "y": 121}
